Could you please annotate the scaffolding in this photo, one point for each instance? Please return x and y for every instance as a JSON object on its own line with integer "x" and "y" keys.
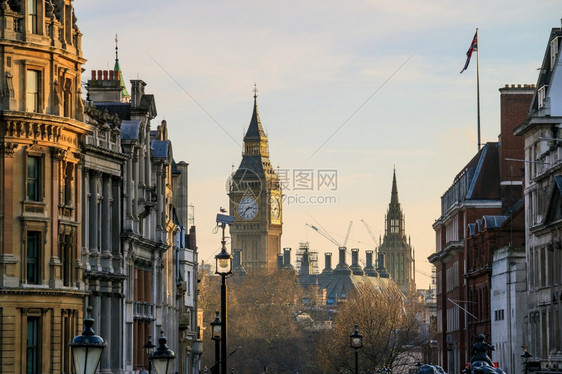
{"x": 304, "y": 251}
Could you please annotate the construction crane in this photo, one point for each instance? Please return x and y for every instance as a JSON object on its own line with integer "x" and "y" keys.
{"x": 370, "y": 231}
{"x": 347, "y": 234}
{"x": 327, "y": 235}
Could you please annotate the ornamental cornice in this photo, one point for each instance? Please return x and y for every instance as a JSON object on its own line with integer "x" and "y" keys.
{"x": 8, "y": 149}
{"x": 44, "y": 127}
{"x": 43, "y": 292}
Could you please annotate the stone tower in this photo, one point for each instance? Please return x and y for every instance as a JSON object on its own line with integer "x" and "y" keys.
{"x": 397, "y": 250}
{"x": 255, "y": 202}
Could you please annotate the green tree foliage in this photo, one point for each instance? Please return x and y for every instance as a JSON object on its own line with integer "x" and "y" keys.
{"x": 389, "y": 325}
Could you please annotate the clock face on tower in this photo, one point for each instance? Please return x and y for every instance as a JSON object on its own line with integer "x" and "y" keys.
{"x": 248, "y": 208}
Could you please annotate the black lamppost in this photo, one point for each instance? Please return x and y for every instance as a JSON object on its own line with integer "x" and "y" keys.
{"x": 216, "y": 331}
{"x": 162, "y": 357}
{"x": 149, "y": 348}
{"x": 526, "y": 356}
{"x": 223, "y": 268}
{"x": 356, "y": 342}
{"x": 87, "y": 348}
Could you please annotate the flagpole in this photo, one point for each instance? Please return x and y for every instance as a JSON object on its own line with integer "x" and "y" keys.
{"x": 478, "y": 85}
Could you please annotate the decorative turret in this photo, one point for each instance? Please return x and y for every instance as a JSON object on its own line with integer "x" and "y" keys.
{"x": 124, "y": 95}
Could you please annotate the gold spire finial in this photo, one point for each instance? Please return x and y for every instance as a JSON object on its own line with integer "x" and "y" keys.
{"x": 255, "y": 90}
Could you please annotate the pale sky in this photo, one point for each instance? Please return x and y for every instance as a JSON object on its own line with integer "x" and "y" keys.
{"x": 358, "y": 87}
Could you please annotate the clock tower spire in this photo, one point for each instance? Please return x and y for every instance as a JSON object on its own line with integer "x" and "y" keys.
{"x": 255, "y": 201}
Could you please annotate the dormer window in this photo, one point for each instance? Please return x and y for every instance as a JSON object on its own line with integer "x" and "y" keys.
{"x": 541, "y": 96}
{"x": 553, "y": 52}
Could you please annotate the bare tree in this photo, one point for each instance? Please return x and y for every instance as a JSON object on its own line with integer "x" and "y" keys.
{"x": 390, "y": 327}
{"x": 261, "y": 322}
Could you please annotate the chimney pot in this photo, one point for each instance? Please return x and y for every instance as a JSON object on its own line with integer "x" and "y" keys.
{"x": 105, "y": 75}
{"x": 328, "y": 261}
{"x": 100, "y": 76}
{"x": 93, "y": 75}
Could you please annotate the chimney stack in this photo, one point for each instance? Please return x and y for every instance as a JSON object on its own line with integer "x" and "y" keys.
{"x": 327, "y": 263}
{"x": 287, "y": 258}
{"x": 355, "y": 267}
{"x": 380, "y": 268}
{"x": 369, "y": 268}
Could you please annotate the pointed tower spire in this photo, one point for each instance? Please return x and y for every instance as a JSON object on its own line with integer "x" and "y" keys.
{"x": 125, "y": 97}
{"x": 255, "y": 130}
{"x": 394, "y": 193}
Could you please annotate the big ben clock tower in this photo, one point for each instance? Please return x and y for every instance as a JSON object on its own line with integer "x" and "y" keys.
{"x": 255, "y": 201}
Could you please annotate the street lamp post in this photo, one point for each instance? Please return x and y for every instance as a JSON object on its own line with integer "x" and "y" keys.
{"x": 162, "y": 357}
{"x": 223, "y": 268}
{"x": 526, "y": 356}
{"x": 87, "y": 348}
{"x": 356, "y": 342}
{"x": 149, "y": 348}
{"x": 216, "y": 332}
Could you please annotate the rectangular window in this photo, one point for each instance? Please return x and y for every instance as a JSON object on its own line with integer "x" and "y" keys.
{"x": 32, "y": 91}
{"x": 499, "y": 315}
{"x": 32, "y": 258}
{"x": 65, "y": 251}
{"x": 32, "y": 16}
{"x": 32, "y": 346}
{"x": 34, "y": 178}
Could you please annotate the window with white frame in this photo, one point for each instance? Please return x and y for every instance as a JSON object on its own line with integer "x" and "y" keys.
{"x": 32, "y": 16}
{"x": 32, "y": 90}
{"x": 34, "y": 178}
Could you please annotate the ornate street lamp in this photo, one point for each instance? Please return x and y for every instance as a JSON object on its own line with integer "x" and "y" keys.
{"x": 87, "y": 348}
{"x": 149, "y": 348}
{"x": 224, "y": 263}
{"x": 223, "y": 268}
{"x": 162, "y": 357}
{"x": 356, "y": 342}
{"x": 216, "y": 332}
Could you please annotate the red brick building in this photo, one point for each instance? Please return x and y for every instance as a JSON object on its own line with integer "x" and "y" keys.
{"x": 486, "y": 186}
{"x": 490, "y": 232}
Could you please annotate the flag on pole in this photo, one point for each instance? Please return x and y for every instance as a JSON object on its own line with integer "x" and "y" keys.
{"x": 473, "y": 47}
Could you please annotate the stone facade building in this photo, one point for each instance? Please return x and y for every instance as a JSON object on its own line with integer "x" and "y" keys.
{"x": 41, "y": 131}
{"x": 93, "y": 207}
{"x": 156, "y": 256}
{"x": 542, "y": 333}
